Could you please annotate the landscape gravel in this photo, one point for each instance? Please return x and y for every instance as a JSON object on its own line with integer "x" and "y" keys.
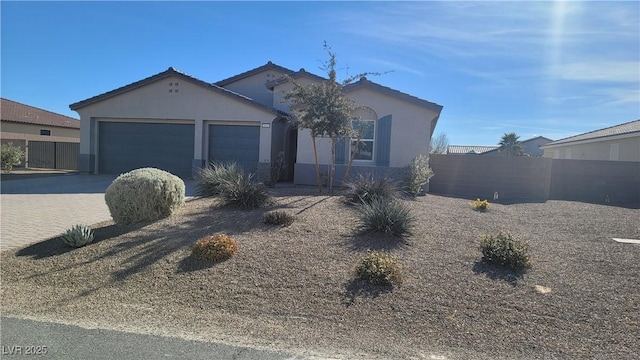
{"x": 294, "y": 288}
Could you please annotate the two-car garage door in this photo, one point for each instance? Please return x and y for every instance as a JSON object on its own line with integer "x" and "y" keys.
{"x": 124, "y": 146}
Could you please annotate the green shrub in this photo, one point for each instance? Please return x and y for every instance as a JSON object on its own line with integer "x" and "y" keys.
{"x": 278, "y": 217}
{"x": 214, "y": 248}
{"x": 146, "y": 194}
{"x": 209, "y": 178}
{"x": 416, "y": 175}
{"x": 505, "y": 251}
{"x": 11, "y": 156}
{"x": 78, "y": 236}
{"x": 243, "y": 192}
{"x": 366, "y": 187}
{"x": 480, "y": 205}
{"x": 390, "y": 217}
{"x": 380, "y": 269}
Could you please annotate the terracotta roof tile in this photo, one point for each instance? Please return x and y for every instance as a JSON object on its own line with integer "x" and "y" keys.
{"x": 21, "y": 113}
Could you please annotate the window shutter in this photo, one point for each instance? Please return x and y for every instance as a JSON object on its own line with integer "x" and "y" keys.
{"x": 383, "y": 141}
{"x": 341, "y": 151}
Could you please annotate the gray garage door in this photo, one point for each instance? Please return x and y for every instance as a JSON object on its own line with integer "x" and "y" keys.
{"x": 235, "y": 143}
{"x": 127, "y": 146}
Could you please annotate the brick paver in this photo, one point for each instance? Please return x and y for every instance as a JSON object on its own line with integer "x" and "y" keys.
{"x": 29, "y": 218}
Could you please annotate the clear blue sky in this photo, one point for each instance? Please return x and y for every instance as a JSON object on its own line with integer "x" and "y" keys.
{"x": 554, "y": 68}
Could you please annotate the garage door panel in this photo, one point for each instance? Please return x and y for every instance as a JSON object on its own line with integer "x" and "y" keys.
{"x": 127, "y": 146}
{"x": 235, "y": 143}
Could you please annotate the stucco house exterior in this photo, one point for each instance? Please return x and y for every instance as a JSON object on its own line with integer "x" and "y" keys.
{"x": 22, "y": 124}
{"x": 178, "y": 123}
{"x": 616, "y": 143}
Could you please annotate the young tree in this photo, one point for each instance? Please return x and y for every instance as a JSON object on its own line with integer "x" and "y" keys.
{"x": 439, "y": 144}
{"x": 324, "y": 110}
{"x": 510, "y": 145}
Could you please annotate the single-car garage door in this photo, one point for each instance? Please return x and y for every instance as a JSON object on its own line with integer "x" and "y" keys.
{"x": 235, "y": 143}
{"x": 127, "y": 146}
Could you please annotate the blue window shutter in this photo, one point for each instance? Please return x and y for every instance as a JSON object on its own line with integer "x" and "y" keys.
{"x": 341, "y": 151}
{"x": 383, "y": 141}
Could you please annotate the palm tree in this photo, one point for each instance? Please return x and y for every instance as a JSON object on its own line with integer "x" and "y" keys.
{"x": 510, "y": 145}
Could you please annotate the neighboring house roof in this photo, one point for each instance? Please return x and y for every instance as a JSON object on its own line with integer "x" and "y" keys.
{"x": 464, "y": 149}
{"x": 268, "y": 66}
{"x": 525, "y": 142}
{"x": 16, "y": 112}
{"x": 628, "y": 128}
{"x": 168, "y": 73}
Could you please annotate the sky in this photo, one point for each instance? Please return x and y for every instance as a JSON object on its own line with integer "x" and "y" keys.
{"x": 553, "y": 68}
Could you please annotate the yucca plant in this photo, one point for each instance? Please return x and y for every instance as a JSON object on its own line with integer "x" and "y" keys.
{"x": 366, "y": 187}
{"x": 243, "y": 192}
{"x": 78, "y": 236}
{"x": 209, "y": 179}
{"x": 390, "y": 217}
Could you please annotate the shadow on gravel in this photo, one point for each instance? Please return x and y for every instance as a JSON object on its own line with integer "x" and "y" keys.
{"x": 189, "y": 264}
{"x": 498, "y": 273}
{"x": 375, "y": 241}
{"x": 360, "y": 288}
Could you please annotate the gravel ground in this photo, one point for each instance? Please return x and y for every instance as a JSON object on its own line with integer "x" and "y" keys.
{"x": 293, "y": 288}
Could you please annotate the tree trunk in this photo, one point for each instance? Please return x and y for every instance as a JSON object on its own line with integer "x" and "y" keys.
{"x": 353, "y": 155}
{"x": 332, "y": 164}
{"x": 315, "y": 155}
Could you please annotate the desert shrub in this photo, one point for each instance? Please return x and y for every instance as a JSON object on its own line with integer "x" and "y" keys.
{"x": 416, "y": 174}
{"x": 78, "y": 236}
{"x": 11, "y": 156}
{"x": 146, "y": 194}
{"x": 505, "y": 251}
{"x": 214, "y": 248}
{"x": 278, "y": 217}
{"x": 390, "y": 217}
{"x": 243, "y": 192}
{"x": 209, "y": 178}
{"x": 366, "y": 187}
{"x": 480, "y": 205}
{"x": 380, "y": 269}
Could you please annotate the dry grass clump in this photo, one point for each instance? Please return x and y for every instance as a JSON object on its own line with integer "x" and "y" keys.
{"x": 278, "y": 217}
{"x": 380, "y": 269}
{"x": 214, "y": 248}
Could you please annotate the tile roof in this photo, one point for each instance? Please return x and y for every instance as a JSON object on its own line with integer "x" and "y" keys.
{"x": 464, "y": 149}
{"x": 173, "y": 72}
{"x": 268, "y": 66}
{"x": 16, "y": 112}
{"x": 622, "y": 129}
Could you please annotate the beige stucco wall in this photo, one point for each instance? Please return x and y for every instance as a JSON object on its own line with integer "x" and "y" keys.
{"x": 191, "y": 104}
{"x": 33, "y": 129}
{"x": 410, "y": 129}
{"x": 628, "y": 149}
{"x": 254, "y": 86}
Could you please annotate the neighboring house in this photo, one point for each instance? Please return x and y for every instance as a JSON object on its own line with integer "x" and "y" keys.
{"x": 618, "y": 143}
{"x": 469, "y": 150}
{"x": 178, "y": 123}
{"x": 22, "y": 124}
{"x": 531, "y": 147}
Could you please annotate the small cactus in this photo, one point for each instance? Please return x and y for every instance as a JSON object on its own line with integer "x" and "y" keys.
{"x": 78, "y": 236}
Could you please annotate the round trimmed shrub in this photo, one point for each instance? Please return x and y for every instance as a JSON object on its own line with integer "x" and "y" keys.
{"x": 146, "y": 194}
{"x": 380, "y": 269}
{"x": 214, "y": 248}
{"x": 505, "y": 251}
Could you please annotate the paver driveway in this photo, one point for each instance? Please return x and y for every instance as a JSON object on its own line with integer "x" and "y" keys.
{"x": 37, "y": 209}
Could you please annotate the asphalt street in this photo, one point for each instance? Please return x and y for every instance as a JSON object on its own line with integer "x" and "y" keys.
{"x": 21, "y": 338}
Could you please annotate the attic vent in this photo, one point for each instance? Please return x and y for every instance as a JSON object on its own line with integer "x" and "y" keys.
{"x": 173, "y": 87}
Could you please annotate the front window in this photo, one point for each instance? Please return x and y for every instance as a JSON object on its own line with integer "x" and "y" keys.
{"x": 365, "y": 130}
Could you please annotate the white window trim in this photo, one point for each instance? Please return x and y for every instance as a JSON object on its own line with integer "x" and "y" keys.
{"x": 373, "y": 149}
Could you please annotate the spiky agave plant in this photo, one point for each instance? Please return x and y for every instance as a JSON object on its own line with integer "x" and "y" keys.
{"x": 78, "y": 236}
